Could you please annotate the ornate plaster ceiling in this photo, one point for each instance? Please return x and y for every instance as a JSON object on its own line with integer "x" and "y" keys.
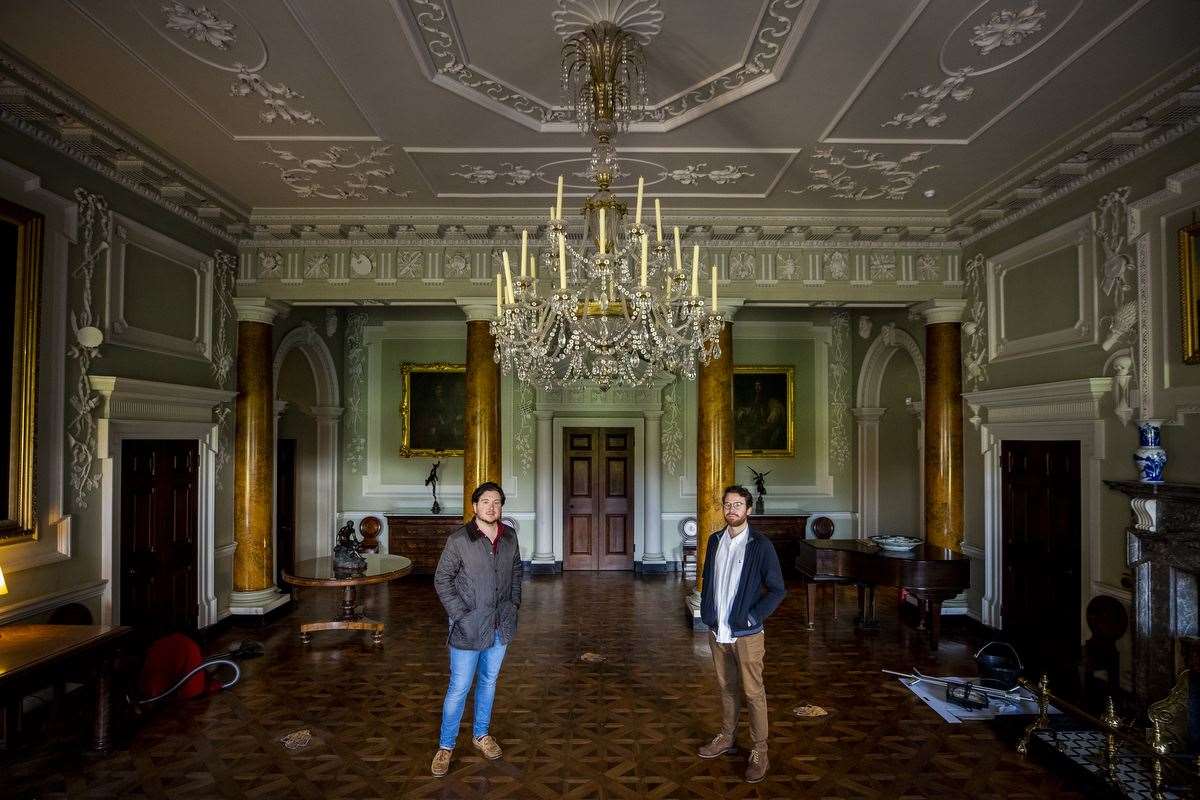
{"x": 917, "y": 115}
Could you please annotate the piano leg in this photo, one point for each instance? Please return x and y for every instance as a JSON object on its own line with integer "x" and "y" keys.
{"x": 810, "y": 603}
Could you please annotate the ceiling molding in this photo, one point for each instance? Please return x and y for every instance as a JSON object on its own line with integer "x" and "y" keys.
{"x": 29, "y": 103}
{"x": 435, "y": 38}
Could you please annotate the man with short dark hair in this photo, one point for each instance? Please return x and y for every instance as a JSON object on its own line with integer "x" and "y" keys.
{"x": 742, "y": 586}
{"x": 478, "y": 580}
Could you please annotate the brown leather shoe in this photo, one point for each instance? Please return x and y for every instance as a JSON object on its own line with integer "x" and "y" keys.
{"x": 488, "y": 746}
{"x": 757, "y": 769}
{"x": 719, "y": 746}
{"x": 441, "y": 762}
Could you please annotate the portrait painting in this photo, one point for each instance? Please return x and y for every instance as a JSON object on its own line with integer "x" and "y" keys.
{"x": 1189, "y": 292}
{"x": 762, "y": 411}
{"x": 432, "y": 410}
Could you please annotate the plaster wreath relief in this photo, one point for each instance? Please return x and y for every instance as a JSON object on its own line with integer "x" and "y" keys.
{"x": 894, "y": 177}
{"x": 364, "y": 172}
{"x": 356, "y": 375}
{"x": 1117, "y": 270}
{"x": 200, "y": 24}
{"x": 839, "y": 390}
{"x": 835, "y": 266}
{"x": 222, "y": 354}
{"x": 96, "y": 225}
{"x": 1005, "y": 29}
{"x": 974, "y": 327}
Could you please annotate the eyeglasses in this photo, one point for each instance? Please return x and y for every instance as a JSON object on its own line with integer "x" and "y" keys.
{"x": 734, "y": 506}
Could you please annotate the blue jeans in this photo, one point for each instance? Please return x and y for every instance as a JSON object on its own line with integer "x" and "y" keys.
{"x": 465, "y": 666}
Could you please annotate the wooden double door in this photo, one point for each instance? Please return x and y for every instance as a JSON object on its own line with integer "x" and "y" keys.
{"x": 598, "y": 502}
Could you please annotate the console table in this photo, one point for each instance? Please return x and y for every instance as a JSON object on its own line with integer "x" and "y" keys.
{"x": 32, "y": 656}
{"x": 421, "y": 538}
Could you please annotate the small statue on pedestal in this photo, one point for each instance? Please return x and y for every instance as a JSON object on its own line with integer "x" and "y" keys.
{"x": 760, "y": 488}
{"x": 432, "y": 481}
{"x": 346, "y": 558}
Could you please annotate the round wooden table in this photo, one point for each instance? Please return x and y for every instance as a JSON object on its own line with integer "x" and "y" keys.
{"x": 319, "y": 573}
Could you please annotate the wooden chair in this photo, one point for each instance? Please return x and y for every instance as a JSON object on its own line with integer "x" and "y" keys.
{"x": 823, "y": 528}
{"x": 369, "y": 528}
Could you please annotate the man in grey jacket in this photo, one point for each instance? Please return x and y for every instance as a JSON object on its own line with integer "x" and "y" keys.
{"x": 478, "y": 580}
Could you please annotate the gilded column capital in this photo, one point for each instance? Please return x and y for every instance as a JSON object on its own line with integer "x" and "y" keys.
{"x": 477, "y": 309}
{"x": 936, "y": 311}
{"x": 259, "y": 309}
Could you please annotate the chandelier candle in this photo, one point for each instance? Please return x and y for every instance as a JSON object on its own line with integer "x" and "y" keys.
{"x": 637, "y": 214}
{"x": 695, "y": 270}
{"x": 508, "y": 278}
{"x": 558, "y": 199}
{"x": 714, "y": 289}
{"x": 562, "y": 262}
{"x": 524, "y": 249}
{"x": 658, "y": 218}
{"x": 600, "y": 241}
{"x": 678, "y": 254}
{"x": 499, "y": 296}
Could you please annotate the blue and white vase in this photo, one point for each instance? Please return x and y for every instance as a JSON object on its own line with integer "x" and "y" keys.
{"x": 1150, "y": 457}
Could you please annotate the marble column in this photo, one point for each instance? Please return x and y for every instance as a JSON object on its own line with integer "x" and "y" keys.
{"x": 543, "y": 560}
{"x": 481, "y": 454}
{"x": 714, "y": 444}
{"x": 254, "y": 589}
{"x": 652, "y": 552}
{"x": 943, "y": 473}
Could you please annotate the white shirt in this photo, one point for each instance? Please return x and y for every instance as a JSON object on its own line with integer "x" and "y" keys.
{"x": 731, "y": 553}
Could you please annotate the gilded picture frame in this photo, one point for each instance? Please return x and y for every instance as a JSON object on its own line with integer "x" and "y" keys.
{"x": 1189, "y": 292}
{"x": 19, "y": 349}
{"x": 764, "y": 404}
{"x": 433, "y": 409}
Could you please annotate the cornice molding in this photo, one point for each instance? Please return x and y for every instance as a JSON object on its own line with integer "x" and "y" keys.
{"x": 53, "y": 116}
{"x": 135, "y": 399}
{"x": 1062, "y": 401}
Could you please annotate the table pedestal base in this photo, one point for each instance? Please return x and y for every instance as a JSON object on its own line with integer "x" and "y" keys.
{"x": 349, "y": 620}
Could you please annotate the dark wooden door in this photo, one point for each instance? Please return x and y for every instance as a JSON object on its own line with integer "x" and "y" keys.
{"x": 285, "y": 508}
{"x": 598, "y": 483}
{"x": 159, "y": 510}
{"x": 1041, "y": 532}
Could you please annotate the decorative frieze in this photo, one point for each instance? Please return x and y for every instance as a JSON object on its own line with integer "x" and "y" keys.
{"x": 839, "y": 391}
{"x": 356, "y": 379}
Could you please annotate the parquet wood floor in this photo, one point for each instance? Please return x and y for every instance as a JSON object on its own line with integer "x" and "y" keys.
{"x": 626, "y": 727}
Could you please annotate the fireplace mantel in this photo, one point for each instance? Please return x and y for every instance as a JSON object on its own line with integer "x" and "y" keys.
{"x": 1163, "y": 552}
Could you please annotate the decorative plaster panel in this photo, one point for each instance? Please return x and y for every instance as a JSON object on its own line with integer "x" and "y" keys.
{"x": 1001, "y": 307}
{"x": 198, "y": 272}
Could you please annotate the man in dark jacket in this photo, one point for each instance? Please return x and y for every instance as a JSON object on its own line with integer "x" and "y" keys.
{"x": 742, "y": 586}
{"x": 478, "y": 580}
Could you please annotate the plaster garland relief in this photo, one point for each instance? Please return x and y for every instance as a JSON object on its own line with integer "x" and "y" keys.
{"x": 883, "y": 177}
{"x": 1118, "y": 268}
{"x": 672, "y": 427}
{"x": 357, "y": 175}
{"x": 356, "y": 377}
{"x": 96, "y": 226}
{"x": 974, "y": 327}
{"x": 839, "y": 391}
{"x": 524, "y": 430}
{"x": 222, "y": 353}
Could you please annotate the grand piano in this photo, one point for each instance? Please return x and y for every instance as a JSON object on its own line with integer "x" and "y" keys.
{"x": 930, "y": 574}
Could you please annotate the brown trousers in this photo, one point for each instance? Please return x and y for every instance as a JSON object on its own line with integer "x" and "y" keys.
{"x": 739, "y": 668}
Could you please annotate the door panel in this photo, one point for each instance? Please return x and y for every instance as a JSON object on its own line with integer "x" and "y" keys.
{"x": 159, "y": 508}
{"x": 599, "y": 506}
{"x": 1040, "y": 486}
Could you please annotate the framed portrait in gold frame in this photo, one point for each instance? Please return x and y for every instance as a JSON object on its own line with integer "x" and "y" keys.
{"x": 20, "y": 295}
{"x": 763, "y": 411}
{"x": 1189, "y": 291}
{"x": 433, "y": 409}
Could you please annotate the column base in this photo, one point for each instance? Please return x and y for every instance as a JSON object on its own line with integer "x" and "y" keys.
{"x": 547, "y": 567}
{"x": 652, "y": 566}
{"x": 691, "y": 608}
{"x": 258, "y": 602}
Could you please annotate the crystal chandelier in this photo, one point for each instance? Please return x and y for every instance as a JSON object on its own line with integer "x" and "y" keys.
{"x": 626, "y": 308}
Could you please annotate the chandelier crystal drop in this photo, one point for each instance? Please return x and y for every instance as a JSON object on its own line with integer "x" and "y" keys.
{"x": 622, "y": 307}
